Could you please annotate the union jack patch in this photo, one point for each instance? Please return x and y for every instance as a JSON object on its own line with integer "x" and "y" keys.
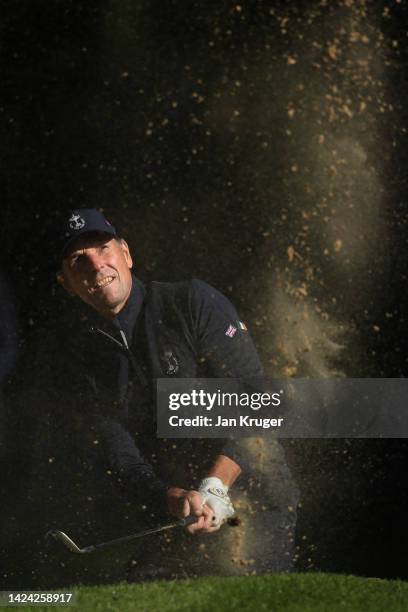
{"x": 231, "y": 331}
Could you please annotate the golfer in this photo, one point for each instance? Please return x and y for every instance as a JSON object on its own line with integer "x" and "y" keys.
{"x": 133, "y": 334}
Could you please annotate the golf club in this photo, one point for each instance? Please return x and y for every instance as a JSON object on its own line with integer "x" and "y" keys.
{"x": 70, "y": 544}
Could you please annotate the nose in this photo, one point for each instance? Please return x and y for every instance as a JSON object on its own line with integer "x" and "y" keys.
{"x": 93, "y": 259}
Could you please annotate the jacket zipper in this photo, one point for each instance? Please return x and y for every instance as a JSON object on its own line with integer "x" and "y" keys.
{"x": 125, "y": 346}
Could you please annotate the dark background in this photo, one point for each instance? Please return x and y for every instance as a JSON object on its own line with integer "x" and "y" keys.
{"x": 257, "y": 145}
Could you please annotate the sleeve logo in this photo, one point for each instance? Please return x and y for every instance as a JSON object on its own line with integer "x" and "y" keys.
{"x": 231, "y": 331}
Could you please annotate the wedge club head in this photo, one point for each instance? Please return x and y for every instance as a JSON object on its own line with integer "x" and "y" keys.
{"x": 66, "y": 540}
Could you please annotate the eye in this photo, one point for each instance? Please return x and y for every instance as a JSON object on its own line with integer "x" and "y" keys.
{"x": 75, "y": 260}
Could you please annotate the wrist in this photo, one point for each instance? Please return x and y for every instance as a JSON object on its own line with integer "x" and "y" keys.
{"x": 226, "y": 469}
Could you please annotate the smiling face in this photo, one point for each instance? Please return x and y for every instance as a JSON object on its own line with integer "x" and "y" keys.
{"x": 96, "y": 268}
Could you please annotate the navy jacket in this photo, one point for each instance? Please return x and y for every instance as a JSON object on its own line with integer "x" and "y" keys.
{"x": 165, "y": 330}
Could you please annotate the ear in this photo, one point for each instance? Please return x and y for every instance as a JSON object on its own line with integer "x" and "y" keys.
{"x": 126, "y": 252}
{"x": 63, "y": 281}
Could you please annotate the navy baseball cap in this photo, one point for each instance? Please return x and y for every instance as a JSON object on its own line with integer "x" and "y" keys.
{"x": 82, "y": 221}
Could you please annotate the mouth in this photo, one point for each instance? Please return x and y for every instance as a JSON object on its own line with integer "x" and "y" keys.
{"x": 101, "y": 283}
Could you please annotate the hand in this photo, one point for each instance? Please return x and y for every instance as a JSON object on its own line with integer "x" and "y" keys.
{"x": 215, "y": 495}
{"x": 182, "y": 503}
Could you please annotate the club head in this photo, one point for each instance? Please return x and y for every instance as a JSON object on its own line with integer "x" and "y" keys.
{"x": 62, "y": 537}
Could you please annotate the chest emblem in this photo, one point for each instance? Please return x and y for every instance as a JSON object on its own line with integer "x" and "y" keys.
{"x": 171, "y": 363}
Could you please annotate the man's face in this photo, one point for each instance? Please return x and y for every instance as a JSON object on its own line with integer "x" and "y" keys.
{"x": 97, "y": 269}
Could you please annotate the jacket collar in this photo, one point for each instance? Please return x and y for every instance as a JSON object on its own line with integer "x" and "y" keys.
{"x": 127, "y": 317}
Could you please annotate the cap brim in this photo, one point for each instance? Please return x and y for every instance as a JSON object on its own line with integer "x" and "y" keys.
{"x": 81, "y": 233}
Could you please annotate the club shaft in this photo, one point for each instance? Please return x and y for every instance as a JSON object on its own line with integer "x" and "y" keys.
{"x": 141, "y": 534}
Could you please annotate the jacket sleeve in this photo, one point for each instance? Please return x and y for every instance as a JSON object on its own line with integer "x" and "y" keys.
{"x": 223, "y": 339}
{"x": 129, "y": 467}
{"x": 134, "y": 474}
{"x": 225, "y": 346}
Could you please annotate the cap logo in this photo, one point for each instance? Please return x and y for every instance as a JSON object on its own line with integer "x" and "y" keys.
{"x": 76, "y": 222}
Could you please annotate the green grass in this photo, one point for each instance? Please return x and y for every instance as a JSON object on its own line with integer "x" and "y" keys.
{"x": 279, "y": 592}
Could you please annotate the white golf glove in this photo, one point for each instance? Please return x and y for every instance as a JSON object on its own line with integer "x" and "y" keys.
{"x": 215, "y": 494}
